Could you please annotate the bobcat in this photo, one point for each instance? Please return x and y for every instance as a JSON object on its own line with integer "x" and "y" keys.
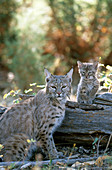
{"x": 89, "y": 84}
{"x": 36, "y": 118}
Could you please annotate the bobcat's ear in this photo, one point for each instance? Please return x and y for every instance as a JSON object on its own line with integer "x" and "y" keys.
{"x": 47, "y": 74}
{"x": 96, "y": 64}
{"x": 79, "y": 64}
{"x": 69, "y": 74}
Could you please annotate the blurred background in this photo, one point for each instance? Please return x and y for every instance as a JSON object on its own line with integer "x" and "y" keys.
{"x": 54, "y": 34}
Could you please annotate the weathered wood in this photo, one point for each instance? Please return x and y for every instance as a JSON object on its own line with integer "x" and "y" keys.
{"x": 105, "y": 97}
{"x": 83, "y": 106}
{"x": 78, "y": 126}
{"x": 82, "y": 124}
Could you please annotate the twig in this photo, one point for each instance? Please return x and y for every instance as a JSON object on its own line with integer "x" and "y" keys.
{"x": 99, "y": 140}
{"x": 98, "y": 145}
{"x": 108, "y": 143}
{"x": 41, "y": 163}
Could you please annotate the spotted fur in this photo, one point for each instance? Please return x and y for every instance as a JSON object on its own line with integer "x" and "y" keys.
{"x": 36, "y": 118}
{"x": 89, "y": 84}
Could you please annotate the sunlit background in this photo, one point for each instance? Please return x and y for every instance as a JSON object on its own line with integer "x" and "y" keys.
{"x": 54, "y": 34}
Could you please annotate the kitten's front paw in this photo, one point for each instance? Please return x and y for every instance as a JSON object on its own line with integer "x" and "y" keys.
{"x": 56, "y": 155}
{"x": 89, "y": 102}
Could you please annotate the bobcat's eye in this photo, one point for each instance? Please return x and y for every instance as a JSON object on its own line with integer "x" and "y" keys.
{"x": 47, "y": 80}
{"x": 63, "y": 87}
{"x": 53, "y": 87}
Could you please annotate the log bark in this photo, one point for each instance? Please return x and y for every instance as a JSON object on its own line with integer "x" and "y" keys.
{"x": 83, "y": 122}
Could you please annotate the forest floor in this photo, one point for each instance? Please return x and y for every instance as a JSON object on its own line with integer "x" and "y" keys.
{"x": 75, "y": 158}
{"x": 87, "y": 158}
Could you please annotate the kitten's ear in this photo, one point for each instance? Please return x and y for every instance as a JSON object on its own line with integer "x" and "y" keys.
{"x": 69, "y": 74}
{"x": 47, "y": 74}
{"x": 79, "y": 64}
{"x": 96, "y": 64}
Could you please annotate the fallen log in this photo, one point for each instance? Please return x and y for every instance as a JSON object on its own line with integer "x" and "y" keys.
{"x": 83, "y": 122}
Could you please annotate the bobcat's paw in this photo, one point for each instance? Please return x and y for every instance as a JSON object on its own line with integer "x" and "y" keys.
{"x": 56, "y": 155}
{"x": 60, "y": 154}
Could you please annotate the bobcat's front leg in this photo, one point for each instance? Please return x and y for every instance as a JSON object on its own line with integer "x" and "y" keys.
{"x": 49, "y": 147}
{"x": 53, "y": 150}
{"x": 93, "y": 91}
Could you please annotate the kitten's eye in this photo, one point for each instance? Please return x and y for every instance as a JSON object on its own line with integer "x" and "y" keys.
{"x": 83, "y": 73}
{"x": 63, "y": 87}
{"x": 90, "y": 73}
{"x": 53, "y": 87}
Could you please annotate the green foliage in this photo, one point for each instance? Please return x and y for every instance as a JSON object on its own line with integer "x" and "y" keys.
{"x": 26, "y": 61}
{"x": 7, "y": 15}
{"x": 106, "y": 77}
{"x": 23, "y": 54}
{"x": 1, "y": 146}
{"x": 16, "y": 94}
{"x": 83, "y": 27}
{"x": 11, "y": 93}
{"x": 7, "y": 12}
{"x": 52, "y": 33}
{"x": 11, "y": 166}
{"x": 94, "y": 143}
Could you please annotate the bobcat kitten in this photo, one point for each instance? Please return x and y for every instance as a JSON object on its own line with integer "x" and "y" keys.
{"x": 89, "y": 84}
{"x": 36, "y": 118}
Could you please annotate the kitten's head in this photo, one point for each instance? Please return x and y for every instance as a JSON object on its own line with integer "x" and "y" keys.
{"x": 87, "y": 70}
{"x": 58, "y": 87}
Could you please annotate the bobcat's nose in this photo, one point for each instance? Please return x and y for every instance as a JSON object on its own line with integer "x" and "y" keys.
{"x": 58, "y": 93}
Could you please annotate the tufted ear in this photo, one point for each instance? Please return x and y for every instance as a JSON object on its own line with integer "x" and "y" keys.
{"x": 80, "y": 64}
{"x": 69, "y": 74}
{"x": 47, "y": 74}
{"x": 96, "y": 64}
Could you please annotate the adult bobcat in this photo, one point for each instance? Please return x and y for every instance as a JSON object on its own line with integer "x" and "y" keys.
{"x": 35, "y": 118}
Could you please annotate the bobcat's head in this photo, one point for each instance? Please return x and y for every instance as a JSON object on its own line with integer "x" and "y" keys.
{"x": 58, "y": 87}
{"x": 87, "y": 70}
